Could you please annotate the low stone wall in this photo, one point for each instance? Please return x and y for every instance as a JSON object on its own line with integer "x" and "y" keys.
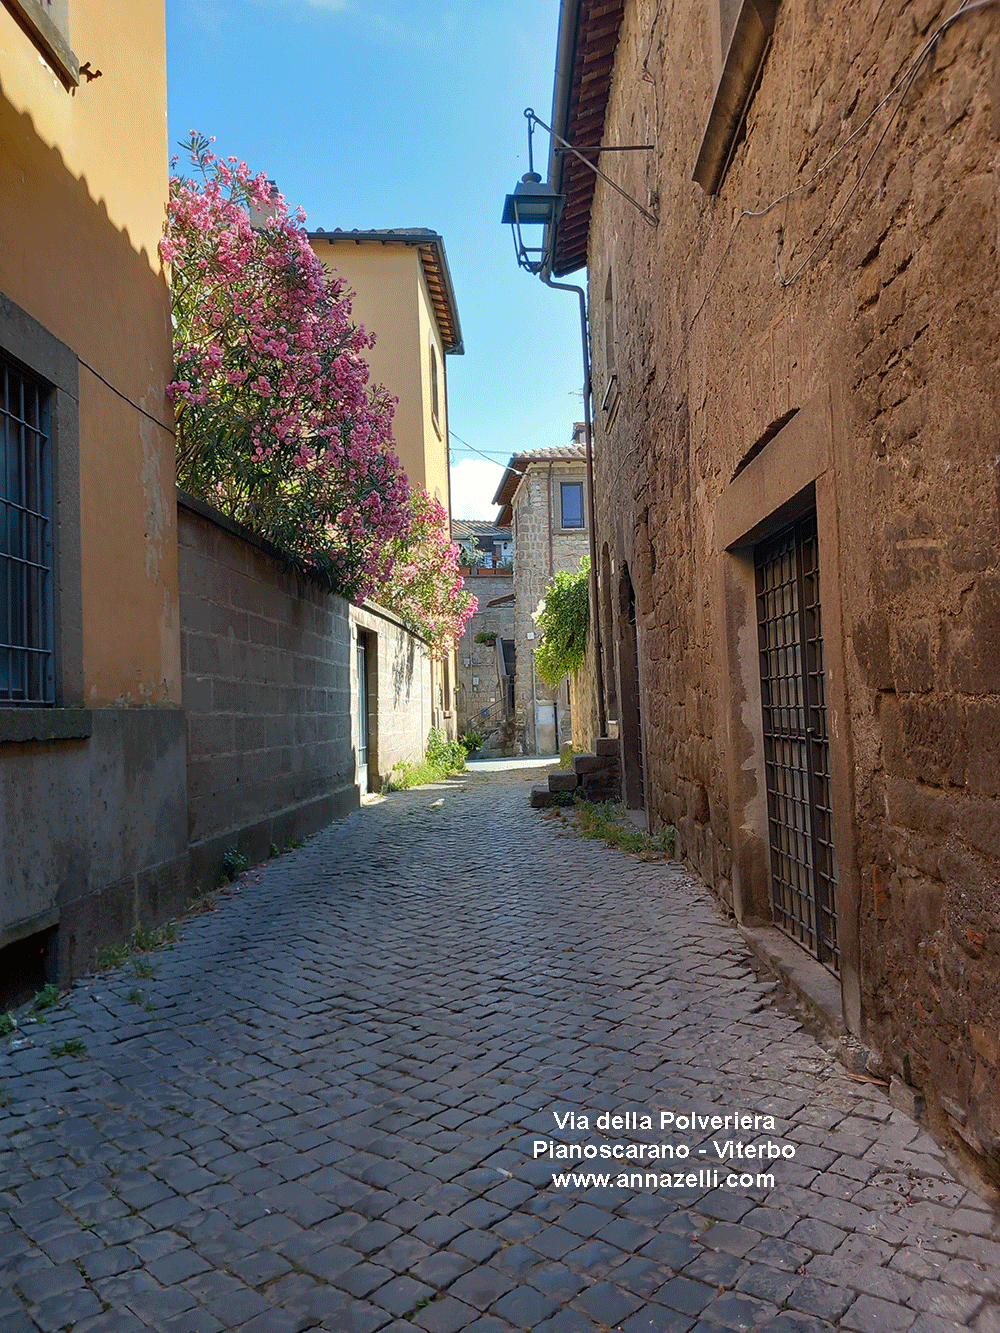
{"x": 271, "y": 695}
{"x": 266, "y": 658}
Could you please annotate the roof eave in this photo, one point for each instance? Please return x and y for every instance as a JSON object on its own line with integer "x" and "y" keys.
{"x": 598, "y": 24}
{"x": 444, "y": 302}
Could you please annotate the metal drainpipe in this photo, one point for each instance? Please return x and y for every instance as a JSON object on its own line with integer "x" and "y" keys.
{"x": 595, "y": 618}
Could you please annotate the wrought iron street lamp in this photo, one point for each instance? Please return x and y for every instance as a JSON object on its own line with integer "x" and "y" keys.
{"x": 534, "y": 203}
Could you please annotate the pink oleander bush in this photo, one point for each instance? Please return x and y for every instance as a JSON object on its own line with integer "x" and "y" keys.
{"x": 426, "y": 589}
{"x": 277, "y": 424}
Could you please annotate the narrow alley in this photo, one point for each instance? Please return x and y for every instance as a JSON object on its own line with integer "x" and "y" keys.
{"x": 334, "y": 1105}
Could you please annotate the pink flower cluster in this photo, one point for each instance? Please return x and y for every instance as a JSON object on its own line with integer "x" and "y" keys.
{"x": 277, "y": 424}
{"x": 425, "y": 588}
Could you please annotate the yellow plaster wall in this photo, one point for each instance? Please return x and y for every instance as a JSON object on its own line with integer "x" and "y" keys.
{"x": 83, "y": 188}
{"x": 384, "y": 283}
{"x": 390, "y": 298}
{"x": 436, "y": 474}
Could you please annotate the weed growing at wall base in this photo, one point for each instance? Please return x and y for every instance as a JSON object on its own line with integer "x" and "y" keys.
{"x": 608, "y": 823}
{"x": 442, "y": 759}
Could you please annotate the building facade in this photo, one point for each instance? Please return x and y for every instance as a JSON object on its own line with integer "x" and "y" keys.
{"x": 91, "y": 731}
{"x": 401, "y": 290}
{"x": 795, "y": 470}
{"x": 485, "y": 677}
{"x": 543, "y": 495}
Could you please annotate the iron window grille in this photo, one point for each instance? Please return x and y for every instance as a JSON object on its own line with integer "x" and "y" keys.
{"x": 796, "y": 740}
{"x": 26, "y": 630}
{"x": 571, "y": 500}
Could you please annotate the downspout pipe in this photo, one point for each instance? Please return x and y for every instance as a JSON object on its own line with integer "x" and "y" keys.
{"x": 595, "y": 619}
{"x": 569, "y": 24}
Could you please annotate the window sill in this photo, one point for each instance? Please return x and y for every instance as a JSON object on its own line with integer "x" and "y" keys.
{"x": 21, "y": 725}
{"x": 741, "y": 73}
{"x": 48, "y": 38}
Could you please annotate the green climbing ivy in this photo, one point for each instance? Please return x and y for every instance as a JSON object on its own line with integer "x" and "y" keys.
{"x": 563, "y": 618}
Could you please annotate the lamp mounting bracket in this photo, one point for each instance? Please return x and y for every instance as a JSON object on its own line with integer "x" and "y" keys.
{"x": 566, "y": 147}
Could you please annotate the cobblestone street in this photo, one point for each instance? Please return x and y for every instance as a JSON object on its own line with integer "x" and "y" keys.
{"x": 321, "y": 1112}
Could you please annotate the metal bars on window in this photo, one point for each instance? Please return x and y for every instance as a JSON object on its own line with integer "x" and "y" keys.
{"x": 26, "y": 665}
{"x": 796, "y": 740}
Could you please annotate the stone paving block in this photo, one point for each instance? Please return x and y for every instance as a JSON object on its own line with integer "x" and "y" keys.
{"x": 868, "y": 1314}
{"x": 481, "y": 1287}
{"x": 607, "y": 1303}
{"x": 821, "y": 1299}
{"x": 525, "y": 1307}
{"x": 401, "y": 1294}
{"x": 444, "y": 1315}
{"x": 375, "y": 1057}
{"x": 685, "y": 1295}
{"x": 657, "y": 1319}
{"x": 476, "y": 1245}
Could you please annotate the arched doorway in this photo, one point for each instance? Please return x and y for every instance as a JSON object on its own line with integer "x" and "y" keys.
{"x": 630, "y": 709}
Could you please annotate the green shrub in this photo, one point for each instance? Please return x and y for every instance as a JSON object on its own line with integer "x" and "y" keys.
{"x": 472, "y": 740}
{"x": 442, "y": 758}
{"x": 563, "y": 618}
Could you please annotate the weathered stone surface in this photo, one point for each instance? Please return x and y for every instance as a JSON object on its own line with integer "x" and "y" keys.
{"x": 769, "y": 361}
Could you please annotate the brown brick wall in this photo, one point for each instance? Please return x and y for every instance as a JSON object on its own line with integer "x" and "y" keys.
{"x": 883, "y": 351}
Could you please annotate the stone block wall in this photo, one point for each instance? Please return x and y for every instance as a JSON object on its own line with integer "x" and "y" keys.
{"x": 267, "y": 667}
{"x": 793, "y": 342}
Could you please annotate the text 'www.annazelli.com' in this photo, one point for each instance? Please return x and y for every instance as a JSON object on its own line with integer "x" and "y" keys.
{"x": 706, "y": 1179}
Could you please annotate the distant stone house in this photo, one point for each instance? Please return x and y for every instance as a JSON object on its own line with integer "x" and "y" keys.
{"x": 795, "y": 456}
{"x": 543, "y": 494}
{"x": 487, "y": 545}
{"x": 484, "y": 692}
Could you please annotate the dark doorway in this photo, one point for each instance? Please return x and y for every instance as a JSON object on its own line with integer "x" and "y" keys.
{"x": 362, "y": 706}
{"x": 629, "y": 707}
{"x": 796, "y": 740}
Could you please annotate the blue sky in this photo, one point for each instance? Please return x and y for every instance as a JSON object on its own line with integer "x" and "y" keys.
{"x": 379, "y": 113}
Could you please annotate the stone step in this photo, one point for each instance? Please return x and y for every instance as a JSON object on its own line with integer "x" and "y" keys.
{"x": 587, "y": 763}
{"x": 563, "y": 780}
{"x": 541, "y": 797}
{"x": 606, "y": 746}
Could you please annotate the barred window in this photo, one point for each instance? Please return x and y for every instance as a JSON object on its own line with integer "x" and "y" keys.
{"x": 26, "y": 658}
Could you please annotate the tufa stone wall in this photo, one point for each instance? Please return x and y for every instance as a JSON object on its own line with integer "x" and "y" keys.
{"x": 793, "y": 343}
{"x": 267, "y": 692}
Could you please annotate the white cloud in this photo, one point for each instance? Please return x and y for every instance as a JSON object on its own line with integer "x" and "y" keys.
{"x": 473, "y": 484}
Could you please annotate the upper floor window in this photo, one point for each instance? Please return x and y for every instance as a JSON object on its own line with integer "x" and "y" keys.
{"x": 47, "y": 23}
{"x": 571, "y": 495}
{"x": 745, "y": 30}
{"x": 26, "y": 650}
